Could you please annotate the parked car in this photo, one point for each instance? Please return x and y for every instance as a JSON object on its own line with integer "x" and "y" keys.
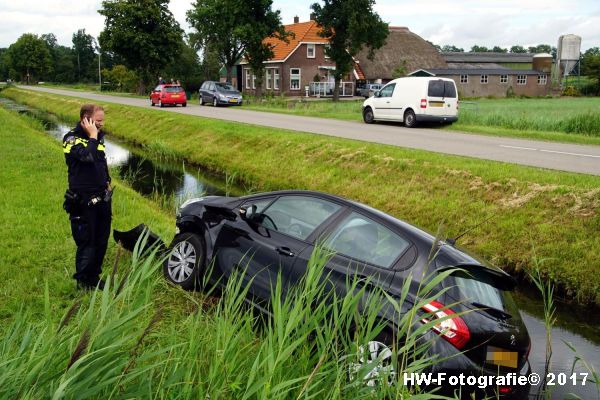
{"x": 280, "y": 230}
{"x": 412, "y": 100}
{"x": 219, "y": 93}
{"x": 369, "y": 90}
{"x": 168, "y": 94}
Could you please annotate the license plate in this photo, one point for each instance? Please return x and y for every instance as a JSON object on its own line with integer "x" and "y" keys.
{"x": 174, "y": 96}
{"x": 436, "y": 104}
{"x": 233, "y": 100}
{"x": 501, "y": 357}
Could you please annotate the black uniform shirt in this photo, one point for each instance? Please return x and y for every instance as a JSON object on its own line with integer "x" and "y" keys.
{"x": 86, "y": 161}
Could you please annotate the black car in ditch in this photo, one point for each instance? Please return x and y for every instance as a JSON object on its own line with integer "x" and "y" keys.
{"x": 486, "y": 335}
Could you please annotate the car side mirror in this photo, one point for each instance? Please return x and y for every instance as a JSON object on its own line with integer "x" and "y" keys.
{"x": 248, "y": 212}
{"x": 377, "y": 93}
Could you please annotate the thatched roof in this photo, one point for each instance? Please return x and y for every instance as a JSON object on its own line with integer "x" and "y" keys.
{"x": 402, "y": 47}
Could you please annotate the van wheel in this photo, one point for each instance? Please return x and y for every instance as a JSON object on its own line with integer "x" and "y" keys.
{"x": 368, "y": 116}
{"x": 410, "y": 120}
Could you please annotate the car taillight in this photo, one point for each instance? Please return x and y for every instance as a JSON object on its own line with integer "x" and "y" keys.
{"x": 423, "y": 103}
{"x": 453, "y": 329}
{"x": 505, "y": 389}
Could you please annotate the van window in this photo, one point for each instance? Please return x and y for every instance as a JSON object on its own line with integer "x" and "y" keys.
{"x": 440, "y": 88}
{"x": 387, "y": 91}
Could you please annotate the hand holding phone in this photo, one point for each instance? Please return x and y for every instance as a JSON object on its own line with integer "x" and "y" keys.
{"x": 90, "y": 127}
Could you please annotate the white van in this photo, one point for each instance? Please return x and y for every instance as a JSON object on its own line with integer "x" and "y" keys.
{"x": 412, "y": 100}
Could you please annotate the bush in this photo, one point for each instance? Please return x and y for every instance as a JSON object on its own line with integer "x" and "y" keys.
{"x": 121, "y": 78}
{"x": 571, "y": 91}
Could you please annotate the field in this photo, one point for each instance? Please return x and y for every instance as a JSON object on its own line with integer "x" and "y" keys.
{"x": 548, "y": 215}
{"x": 142, "y": 338}
{"x": 571, "y": 120}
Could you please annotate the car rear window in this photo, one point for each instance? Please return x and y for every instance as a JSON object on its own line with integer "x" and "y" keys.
{"x": 173, "y": 89}
{"x": 440, "y": 88}
{"x": 476, "y": 286}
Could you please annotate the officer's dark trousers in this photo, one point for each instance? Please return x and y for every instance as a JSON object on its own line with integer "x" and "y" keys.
{"x": 90, "y": 226}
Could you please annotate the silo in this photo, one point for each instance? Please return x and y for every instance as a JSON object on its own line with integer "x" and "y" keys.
{"x": 568, "y": 53}
{"x": 542, "y": 62}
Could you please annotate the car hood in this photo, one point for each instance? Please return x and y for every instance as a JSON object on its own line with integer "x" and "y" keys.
{"x": 229, "y": 92}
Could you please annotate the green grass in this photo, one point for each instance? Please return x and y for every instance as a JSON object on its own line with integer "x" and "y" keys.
{"x": 558, "y": 212}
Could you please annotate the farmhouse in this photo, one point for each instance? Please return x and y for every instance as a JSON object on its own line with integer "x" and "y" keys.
{"x": 300, "y": 66}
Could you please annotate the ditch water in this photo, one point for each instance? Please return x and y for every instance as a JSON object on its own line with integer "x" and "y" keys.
{"x": 578, "y": 326}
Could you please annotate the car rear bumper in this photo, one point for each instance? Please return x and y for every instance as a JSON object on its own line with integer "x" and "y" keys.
{"x": 436, "y": 118}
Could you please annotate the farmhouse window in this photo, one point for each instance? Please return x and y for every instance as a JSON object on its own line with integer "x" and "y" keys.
{"x": 521, "y": 79}
{"x": 542, "y": 79}
{"x": 295, "y": 75}
{"x": 326, "y": 50}
{"x": 276, "y": 79}
{"x": 503, "y": 78}
{"x": 310, "y": 50}
{"x": 268, "y": 71}
{"x": 484, "y": 79}
{"x": 464, "y": 79}
{"x": 248, "y": 77}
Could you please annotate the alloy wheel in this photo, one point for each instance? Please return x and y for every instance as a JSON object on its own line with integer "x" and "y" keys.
{"x": 182, "y": 261}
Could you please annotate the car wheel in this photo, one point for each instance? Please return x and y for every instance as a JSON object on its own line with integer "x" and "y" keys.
{"x": 374, "y": 364}
{"x": 368, "y": 116}
{"x": 215, "y": 102}
{"x": 201, "y": 100}
{"x": 184, "y": 105}
{"x": 160, "y": 104}
{"x": 410, "y": 120}
{"x": 151, "y": 103}
{"x": 186, "y": 261}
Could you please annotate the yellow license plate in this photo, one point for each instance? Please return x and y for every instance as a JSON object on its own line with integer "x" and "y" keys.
{"x": 436, "y": 104}
{"x": 501, "y": 357}
{"x": 174, "y": 96}
{"x": 233, "y": 100}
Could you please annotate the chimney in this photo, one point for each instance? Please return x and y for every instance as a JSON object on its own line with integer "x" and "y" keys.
{"x": 296, "y": 19}
{"x": 313, "y": 16}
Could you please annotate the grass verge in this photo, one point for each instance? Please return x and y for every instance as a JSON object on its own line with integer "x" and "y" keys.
{"x": 556, "y": 211}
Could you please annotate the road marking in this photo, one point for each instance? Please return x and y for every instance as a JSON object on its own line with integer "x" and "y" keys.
{"x": 571, "y": 154}
{"x": 517, "y": 147}
{"x": 550, "y": 151}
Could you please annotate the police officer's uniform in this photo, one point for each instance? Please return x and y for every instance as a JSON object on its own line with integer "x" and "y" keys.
{"x": 88, "y": 202}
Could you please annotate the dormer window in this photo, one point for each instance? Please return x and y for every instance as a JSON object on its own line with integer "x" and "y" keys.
{"x": 310, "y": 50}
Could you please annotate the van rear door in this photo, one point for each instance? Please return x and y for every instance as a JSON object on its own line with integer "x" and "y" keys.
{"x": 441, "y": 98}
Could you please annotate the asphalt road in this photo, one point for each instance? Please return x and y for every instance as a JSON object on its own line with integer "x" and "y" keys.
{"x": 558, "y": 156}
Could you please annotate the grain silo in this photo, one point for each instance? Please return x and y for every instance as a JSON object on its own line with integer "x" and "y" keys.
{"x": 568, "y": 54}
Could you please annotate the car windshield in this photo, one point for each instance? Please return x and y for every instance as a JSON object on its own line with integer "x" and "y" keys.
{"x": 173, "y": 89}
{"x": 224, "y": 86}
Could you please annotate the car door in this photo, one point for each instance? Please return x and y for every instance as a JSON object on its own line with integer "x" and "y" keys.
{"x": 364, "y": 250}
{"x": 382, "y": 102}
{"x": 266, "y": 247}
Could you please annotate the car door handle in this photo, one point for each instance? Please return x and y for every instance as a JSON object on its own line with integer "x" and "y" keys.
{"x": 285, "y": 251}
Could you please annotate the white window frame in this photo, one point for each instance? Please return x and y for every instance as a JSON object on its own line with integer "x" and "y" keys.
{"x": 484, "y": 79}
{"x": 294, "y": 77}
{"x": 325, "y": 47}
{"x": 310, "y": 46}
{"x": 521, "y": 80}
{"x": 464, "y": 79}
{"x": 542, "y": 79}
{"x": 276, "y": 79}
{"x": 253, "y": 80}
{"x": 504, "y": 78}
{"x": 248, "y": 77}
{"x": 268, "y": 78}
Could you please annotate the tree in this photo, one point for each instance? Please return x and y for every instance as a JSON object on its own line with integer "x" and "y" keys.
{"x": 261, "y": 22}
{"x": 84, "y": 54}
{"x": 518, "y": 49}
{"x": 216, "y": 24}
{"x": 29, "y": 57}
{"x": 479, "y": 49}
{"x": 540, "y": 48}
{"x": 62, "y": 60}
{"x": 452, "y": 49}
{"x": 143, "y": 33}
{"x": 186, "y": 68}
{"x": 4, "y": 67}
{"x": 590, "y": 63}
{"x": 498, "y": 49}
{"x": 349, "y": 25}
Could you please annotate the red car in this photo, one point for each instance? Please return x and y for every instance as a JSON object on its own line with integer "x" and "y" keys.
{"x": 168, "y": 94}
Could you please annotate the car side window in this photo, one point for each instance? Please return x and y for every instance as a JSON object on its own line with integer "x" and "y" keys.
{"x": 365, "y": 240}
{"x": 387, "y": 91}
{"x": 297, "y": 216}
{"x": 157, "y": 89}
{"x": 211, "y": 87}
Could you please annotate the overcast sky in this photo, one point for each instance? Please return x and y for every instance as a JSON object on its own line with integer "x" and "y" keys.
{"x": 461, "y": 23}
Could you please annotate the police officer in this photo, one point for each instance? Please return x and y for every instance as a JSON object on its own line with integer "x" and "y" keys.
{"x": 88, "y": 199}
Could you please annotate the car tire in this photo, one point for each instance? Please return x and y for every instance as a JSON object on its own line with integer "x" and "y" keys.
{"x": 184, "y": 105}
{"x": 160, "y": 104}
{"x": 368, "y": 116}
{"x": 151, "y": 103}
{"x": 185, "y": 263}
{"x": 201, "y": 100}
{"x": 380, "y": 347}
{"x": 410, "y": 119}
{"x": 215, "y": 102}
